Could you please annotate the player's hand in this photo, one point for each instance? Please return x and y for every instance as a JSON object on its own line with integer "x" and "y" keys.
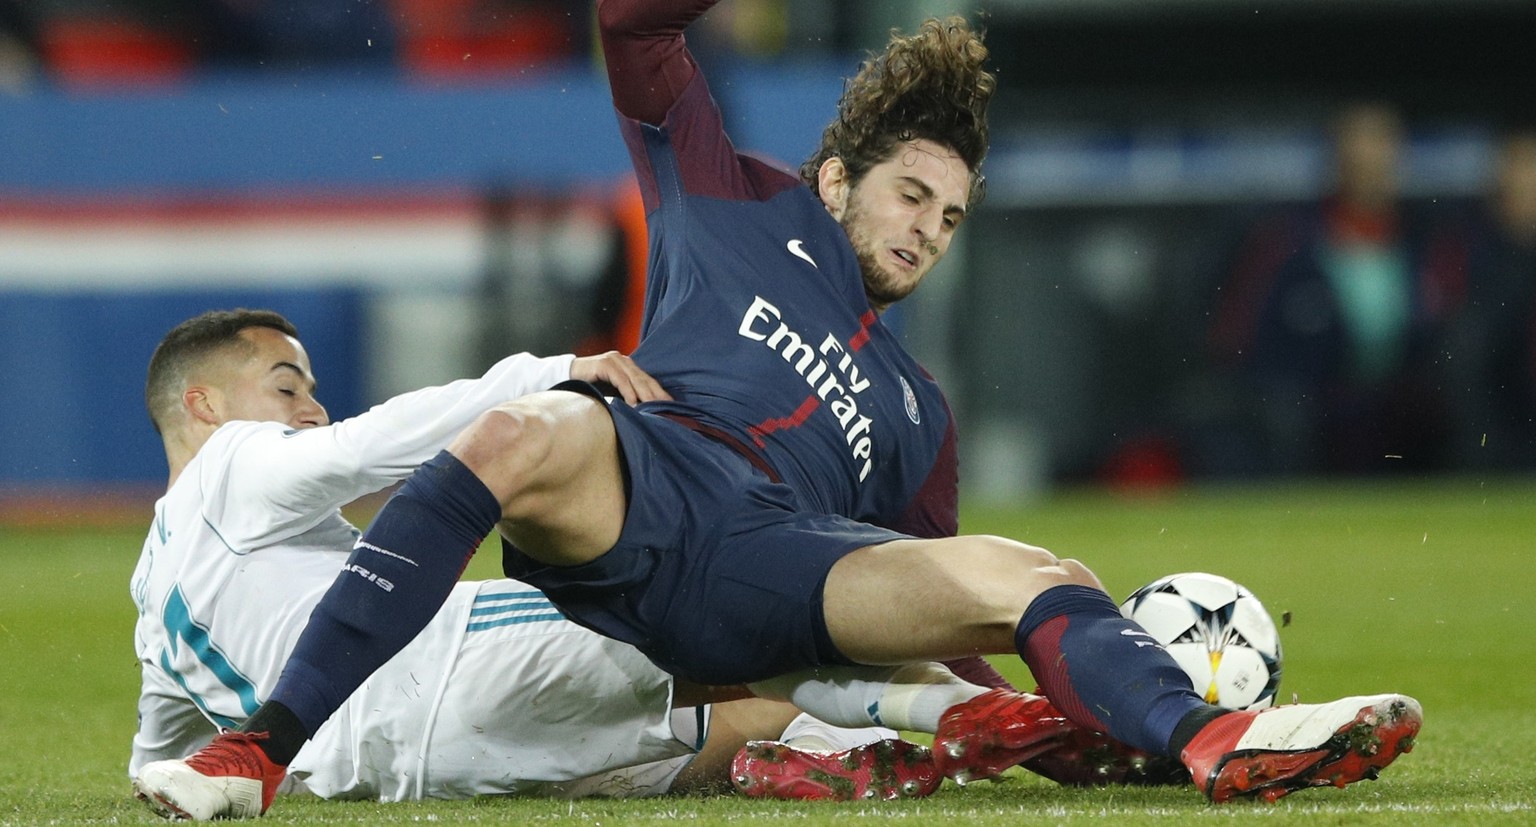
{"x": 622, "y": 374}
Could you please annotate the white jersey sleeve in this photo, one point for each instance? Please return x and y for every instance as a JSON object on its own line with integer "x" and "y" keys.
{"x": 284, "y": 481}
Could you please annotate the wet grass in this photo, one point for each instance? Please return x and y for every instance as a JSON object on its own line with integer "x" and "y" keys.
{"x": 1424, "y": 588}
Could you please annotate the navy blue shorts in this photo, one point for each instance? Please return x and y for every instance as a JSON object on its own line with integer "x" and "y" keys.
{"x": 717, "y": 576}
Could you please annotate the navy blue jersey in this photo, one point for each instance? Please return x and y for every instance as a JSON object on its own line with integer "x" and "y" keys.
{"x": 757, "y": 323}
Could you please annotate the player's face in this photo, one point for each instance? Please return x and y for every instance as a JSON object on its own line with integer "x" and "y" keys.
{"x": 275, "y": 384}
{"x": 902, "y": 216}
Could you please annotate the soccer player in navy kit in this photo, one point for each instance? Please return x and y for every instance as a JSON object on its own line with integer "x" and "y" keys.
{"x": 794, "y": 506}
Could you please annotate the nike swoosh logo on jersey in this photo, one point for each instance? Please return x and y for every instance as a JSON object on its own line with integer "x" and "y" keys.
{"x": 797, "y": 248}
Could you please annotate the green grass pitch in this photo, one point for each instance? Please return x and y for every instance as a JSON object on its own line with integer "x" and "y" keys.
{"x": 1422, "y": 587}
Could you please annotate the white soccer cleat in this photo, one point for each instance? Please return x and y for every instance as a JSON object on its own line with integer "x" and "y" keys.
{"x": 229, "y": 778}
{"x": 1270, "y": 752}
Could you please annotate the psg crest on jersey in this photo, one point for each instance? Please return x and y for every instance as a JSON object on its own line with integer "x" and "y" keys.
{"x": 910, "y": 400}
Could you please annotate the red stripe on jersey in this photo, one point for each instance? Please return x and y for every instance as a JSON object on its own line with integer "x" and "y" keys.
{"x": 861, "y": 338}
{"x": 725, "y": 439}
{"x": 780, "y": 423}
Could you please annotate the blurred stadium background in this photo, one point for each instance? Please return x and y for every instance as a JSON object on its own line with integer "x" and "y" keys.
{"x": 424, "y": 184}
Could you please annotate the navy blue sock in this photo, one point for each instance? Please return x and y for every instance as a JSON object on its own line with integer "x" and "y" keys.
{"x": 1102, "y": 670}
{"x": 398, "y": 576}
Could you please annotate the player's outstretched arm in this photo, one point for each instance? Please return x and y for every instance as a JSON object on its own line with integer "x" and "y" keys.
{"x": 648, "y": 63}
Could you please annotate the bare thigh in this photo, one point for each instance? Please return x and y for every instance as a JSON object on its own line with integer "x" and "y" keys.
{"x": 552, "y": 461}
{"x": 939, "y": 599}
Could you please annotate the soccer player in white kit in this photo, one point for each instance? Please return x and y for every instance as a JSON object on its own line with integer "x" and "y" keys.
{"x": 500, "y": 693}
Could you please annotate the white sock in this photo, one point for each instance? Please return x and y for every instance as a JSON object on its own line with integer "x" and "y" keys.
{"x": 911, "y": 697}
{"x": 919, "y": 693}
{"x": 812, "y": 735}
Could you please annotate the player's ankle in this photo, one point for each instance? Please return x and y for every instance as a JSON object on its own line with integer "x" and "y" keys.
{"x": 1191, "y": 725}
{"x": 285, "y": 733}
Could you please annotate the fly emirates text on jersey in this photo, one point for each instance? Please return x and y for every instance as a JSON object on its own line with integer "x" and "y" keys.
{"x": 833, "y": 382}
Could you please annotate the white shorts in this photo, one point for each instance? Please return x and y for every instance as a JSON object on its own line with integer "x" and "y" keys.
{"x": 501, "y": 695}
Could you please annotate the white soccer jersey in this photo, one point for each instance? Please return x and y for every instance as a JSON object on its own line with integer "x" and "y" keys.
{"x": 499, "y": 694}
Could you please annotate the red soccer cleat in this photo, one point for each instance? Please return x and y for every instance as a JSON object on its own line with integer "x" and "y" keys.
{"x": 1268, "y": 753}
{"x": 887, "y": 770}
{"x": 1085, "y": 758}
{"x": 229, "y": 778}
{"x": 994, "y": 731}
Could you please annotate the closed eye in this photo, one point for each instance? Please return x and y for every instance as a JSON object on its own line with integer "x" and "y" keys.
{"x": 287, "y": 371}
{"x": 953, "y": 216}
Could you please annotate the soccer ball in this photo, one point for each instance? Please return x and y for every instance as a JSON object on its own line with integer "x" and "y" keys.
{"x": 1217, "y": 631}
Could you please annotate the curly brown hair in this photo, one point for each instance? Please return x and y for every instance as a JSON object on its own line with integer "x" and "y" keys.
{"x": 927, "y": 85}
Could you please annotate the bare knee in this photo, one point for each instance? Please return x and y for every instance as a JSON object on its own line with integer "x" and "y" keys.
{"x": 1025, "y": 569}
{"x": 505, "y": 447}
{"x": 959, "y": 595}
{"x": 1002, "y": 577}
{"x": 1078, "y": 574}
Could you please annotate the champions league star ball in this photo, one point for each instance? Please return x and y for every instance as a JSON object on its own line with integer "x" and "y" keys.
{"x": 1217, "y": 631}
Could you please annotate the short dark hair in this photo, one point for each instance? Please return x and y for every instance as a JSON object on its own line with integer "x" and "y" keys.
{"x": 189, "y": 344}
{"x": 930, "y": 85}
